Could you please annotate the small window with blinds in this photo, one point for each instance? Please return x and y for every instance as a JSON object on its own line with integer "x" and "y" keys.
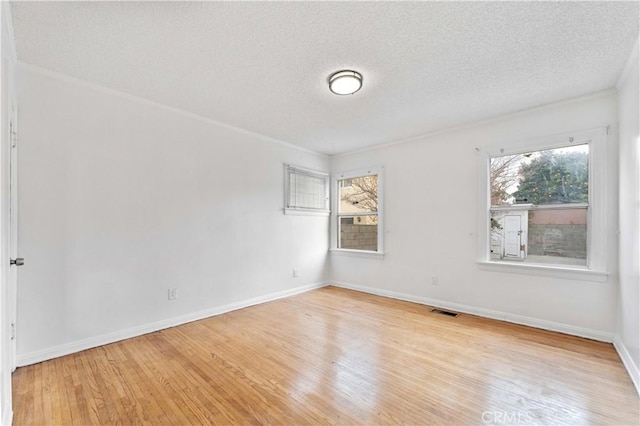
{"x": 306, "y": 191}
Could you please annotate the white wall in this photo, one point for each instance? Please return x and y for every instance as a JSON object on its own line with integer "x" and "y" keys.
{"x": 7, "y": 93}
{"x": 431, "y": 192}
{"x": 121, "y": 199}
{"x": 629, "y": 300}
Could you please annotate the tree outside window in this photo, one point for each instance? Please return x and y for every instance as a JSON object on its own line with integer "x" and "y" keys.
{"x": 539, "y": 205}
{"x": 358, "y": 213}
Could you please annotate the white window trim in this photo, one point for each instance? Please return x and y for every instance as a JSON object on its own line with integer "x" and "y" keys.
{"x": 597, "y": 261}
{"x": 288, "y": 210}
{"x": 356, "y": 253}
{"x": 370, "y": 171}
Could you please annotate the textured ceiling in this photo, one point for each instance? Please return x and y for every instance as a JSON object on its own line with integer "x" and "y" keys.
{"x": 263, "y": 66}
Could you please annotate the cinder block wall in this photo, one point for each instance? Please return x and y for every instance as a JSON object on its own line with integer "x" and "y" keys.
{"x": 558, "y": 240}
{"x": 359, "y": 237}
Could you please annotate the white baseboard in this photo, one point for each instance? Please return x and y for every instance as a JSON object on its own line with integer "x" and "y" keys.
{"x": 573, "y": 330}
{"x": 7, "y": 416}
{"x": 628, "y": 362}
{"x": 105, "y": 339}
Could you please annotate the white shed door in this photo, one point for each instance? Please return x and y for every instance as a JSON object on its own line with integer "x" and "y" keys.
{"x": 512, "y": 233}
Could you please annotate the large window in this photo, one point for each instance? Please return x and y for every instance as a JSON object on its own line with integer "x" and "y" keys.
{"x": 543, "y": 206}
{"x": 306, "y": 191}
{"x": 358, "y": 211}
{"x": 539, "y": 206}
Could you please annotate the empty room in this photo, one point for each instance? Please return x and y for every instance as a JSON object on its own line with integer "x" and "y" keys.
{"x": 320, "y": 213}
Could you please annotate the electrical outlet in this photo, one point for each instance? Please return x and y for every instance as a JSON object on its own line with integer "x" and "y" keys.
{"x": 435, "y": 280}
{"x": 295, "y": 273}
{"x": 173, "y": 293}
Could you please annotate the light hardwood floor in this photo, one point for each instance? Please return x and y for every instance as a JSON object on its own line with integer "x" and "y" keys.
{"x": 333, "y": 356}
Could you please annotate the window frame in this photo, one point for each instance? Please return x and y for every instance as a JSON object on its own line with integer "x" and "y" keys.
{"x": 597, "y": 259}
{"x": 335, "y": 214}
{"x": 288, "y": 209}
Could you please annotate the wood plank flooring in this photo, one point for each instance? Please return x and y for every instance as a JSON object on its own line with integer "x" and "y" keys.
{"x": 333, "y": 356}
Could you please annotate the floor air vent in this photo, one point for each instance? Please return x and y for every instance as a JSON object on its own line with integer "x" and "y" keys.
{"x": 443, "y": 312}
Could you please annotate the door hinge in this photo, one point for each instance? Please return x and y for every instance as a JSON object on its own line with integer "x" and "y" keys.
{"x": 13, "y": 330}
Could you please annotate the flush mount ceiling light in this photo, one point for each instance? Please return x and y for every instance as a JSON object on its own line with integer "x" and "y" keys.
{"x": 345, "y": 82}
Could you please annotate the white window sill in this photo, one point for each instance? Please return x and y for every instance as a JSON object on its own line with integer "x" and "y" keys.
{"x": 581, "y": 274}
{"x": 302, "y": 212}
{"x": 357, "y": 253}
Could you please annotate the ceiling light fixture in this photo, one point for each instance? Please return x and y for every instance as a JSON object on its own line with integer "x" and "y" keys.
{"x": 345, "y": 82}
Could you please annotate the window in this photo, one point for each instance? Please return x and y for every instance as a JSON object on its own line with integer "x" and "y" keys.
{"x": 357, "y": 206}
{"x": 306, "y": 191}
{"x": 544, "y": 205}
{"x": 539, "y": 206}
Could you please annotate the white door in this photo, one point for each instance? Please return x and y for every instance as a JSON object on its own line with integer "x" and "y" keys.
{"x": 13, "y": 230}
{"x": 512, "y": 234}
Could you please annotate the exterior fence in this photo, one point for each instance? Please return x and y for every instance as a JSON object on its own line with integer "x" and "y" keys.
{"x": 359, "y": 237}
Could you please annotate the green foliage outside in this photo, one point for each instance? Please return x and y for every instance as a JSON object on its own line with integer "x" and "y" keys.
{"x": 554, "y": 178}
